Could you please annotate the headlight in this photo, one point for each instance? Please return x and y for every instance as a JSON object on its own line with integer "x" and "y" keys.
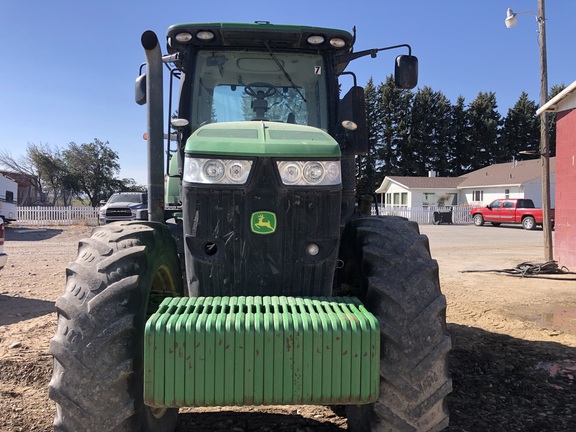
{"x": 216, "y": 171}
{"x": 310, "y": 173}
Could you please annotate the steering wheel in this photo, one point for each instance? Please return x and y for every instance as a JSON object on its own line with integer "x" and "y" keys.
{"x": 250, "y": 91}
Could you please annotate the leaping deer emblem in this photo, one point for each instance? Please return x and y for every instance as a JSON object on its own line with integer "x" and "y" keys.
{"x": 262, "y": 223}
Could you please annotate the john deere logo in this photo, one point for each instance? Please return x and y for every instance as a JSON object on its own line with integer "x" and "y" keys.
{"x": 263, "y": 222}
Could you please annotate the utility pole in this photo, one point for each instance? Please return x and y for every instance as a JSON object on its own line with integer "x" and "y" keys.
{"x": 544, "y": 140}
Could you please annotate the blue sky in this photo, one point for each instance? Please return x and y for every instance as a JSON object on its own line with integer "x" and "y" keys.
{"x": 68, "y": 67}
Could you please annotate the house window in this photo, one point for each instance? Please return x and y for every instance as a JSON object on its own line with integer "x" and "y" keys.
{"x": 506, "y": 193}
{"x": 9, "y": 196}
{"x": 429, "y": 199}
{"x": 478, "y": 196}
{"x": 397, "y": 199}
{"x": 447, "y": 199}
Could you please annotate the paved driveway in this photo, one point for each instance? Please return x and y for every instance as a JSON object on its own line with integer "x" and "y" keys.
{"x": 468, "y": 247}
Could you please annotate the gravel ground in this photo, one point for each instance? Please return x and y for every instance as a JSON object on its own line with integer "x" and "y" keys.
{"x": 514, "y": 339}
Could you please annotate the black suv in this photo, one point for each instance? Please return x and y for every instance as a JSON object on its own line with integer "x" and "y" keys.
{"x": 124, "y": 206}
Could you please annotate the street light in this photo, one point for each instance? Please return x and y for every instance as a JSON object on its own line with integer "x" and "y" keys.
{"x": 511, "y": 21}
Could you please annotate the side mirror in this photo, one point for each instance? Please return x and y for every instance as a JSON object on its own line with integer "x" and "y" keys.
{"x": 406, "y": 72}
{"x": 489, "y": 207}
{"x": 140, "y": 90}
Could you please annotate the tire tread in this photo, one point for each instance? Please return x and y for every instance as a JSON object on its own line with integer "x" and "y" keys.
{"x": 400, "y": 285}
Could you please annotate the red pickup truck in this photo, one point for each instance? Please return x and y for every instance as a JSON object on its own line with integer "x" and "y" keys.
{"x": 509, "y": 211}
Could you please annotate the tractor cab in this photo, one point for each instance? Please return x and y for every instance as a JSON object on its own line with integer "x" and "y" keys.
{"x": 286, "y": 74}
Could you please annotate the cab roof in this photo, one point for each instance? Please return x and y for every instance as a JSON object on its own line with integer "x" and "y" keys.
{"x": 260, "y": 34}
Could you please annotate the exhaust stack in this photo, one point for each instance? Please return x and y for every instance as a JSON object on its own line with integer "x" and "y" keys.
{"x": 155, "y": 114}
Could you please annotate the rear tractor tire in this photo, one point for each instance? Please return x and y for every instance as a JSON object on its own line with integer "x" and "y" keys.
{"x": 387, "y": 264}
{"x": 98, "y": 348}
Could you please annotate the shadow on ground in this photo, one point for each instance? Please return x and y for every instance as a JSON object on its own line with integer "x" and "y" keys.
{"x": 16, "y": 309}
{"x": 500, "y": 383}
{"x": 506, "y": 384}
{"x": 252, "y": 421}
{"x": 30, "y": 234}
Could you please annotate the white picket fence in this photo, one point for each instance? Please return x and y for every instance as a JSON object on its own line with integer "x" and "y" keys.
{"x": 425, "y": 215}
{"x": 54, "y": 216}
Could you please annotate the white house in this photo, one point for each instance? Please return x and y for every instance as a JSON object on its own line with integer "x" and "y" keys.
{"x": 517, "y": 179}
{"x": 399, "y": 191}
{"x": 8, "y": 198}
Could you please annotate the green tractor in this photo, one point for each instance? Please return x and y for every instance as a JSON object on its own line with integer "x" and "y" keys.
{"x": 260, "y": 278}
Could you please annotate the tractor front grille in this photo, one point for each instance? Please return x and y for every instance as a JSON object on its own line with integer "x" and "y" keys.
{"x": 226, "y": 256}
{"x": 223, "y": 351}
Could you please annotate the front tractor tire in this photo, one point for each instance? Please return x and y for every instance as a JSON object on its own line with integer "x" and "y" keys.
{"x": 387, "y": 264}
{"x": 98, "y": 348}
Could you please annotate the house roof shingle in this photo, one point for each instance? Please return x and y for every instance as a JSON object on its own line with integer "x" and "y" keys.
{"x": 427, "y": 182}
{"x": 509, "y": 173}
{"x": 504, "y": 174}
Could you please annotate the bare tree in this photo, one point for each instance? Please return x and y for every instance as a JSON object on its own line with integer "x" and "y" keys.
{"x": 22, "y": 165}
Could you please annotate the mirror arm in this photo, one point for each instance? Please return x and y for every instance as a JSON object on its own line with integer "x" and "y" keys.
{"x": 345, "y": 58}
{"x": 173, "y": 58}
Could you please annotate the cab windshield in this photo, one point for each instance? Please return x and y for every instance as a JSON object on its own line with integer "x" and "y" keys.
{"x": 252, "y": 85}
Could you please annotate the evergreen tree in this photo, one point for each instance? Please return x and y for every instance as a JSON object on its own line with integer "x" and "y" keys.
{"x": 521, "y": 131}
{"x": 393, "y": 119}
{"x": 412, "y": 133}
{"x": 485, "y": 123}
{"x": 367, "y": 178}
{"x": 459, "y": 150}
{"x": 429, "y": 137}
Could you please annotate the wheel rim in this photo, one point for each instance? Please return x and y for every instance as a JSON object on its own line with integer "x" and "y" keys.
{"x": 163, "y": 281}
{"x": 158, "y": 412}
